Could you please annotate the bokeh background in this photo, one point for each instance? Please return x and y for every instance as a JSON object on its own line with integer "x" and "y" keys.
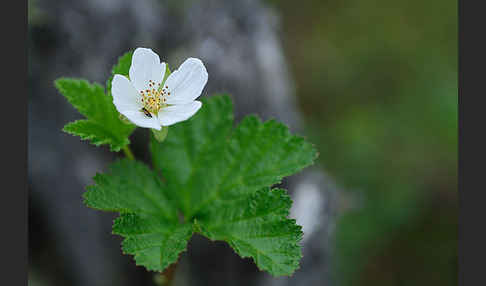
{"x": 372, "y": 83}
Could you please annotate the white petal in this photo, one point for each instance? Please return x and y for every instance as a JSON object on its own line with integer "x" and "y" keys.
{"x": 172, "y": 114}
{"x": 125, "y": 96}
{"x": 146, "y": 66}
{"x": 138, "y": 118}
{"x": 186, "y": 83}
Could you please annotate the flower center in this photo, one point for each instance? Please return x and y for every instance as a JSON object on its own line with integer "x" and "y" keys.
{"x": 154, "y": 98}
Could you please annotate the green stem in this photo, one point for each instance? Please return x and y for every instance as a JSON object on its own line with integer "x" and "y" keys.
{"x": 128, "y": 152}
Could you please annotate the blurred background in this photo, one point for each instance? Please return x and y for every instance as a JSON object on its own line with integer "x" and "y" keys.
{"x": 372, "y": 83}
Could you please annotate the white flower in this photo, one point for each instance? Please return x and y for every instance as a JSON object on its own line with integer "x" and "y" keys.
{"x": 149, "y": 103}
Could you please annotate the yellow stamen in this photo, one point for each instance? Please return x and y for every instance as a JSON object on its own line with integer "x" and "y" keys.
{"x": 153, "y": 99}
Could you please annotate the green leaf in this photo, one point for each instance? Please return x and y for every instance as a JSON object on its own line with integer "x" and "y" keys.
{"x": 256, "y": 226}
{"x": 218, "y": 178}
{"x": 148, "y": 221}
{"x": 130, "y": 186}
{"x": 97, "y": 133}
{"x": 216, "y": 174}
{"x": 206, "y": 153}
{"x": 102, "y": 124}
{"x": 155, "y": 243}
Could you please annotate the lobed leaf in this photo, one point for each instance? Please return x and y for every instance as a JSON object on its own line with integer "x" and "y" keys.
{"x": 217, "y": 174}
{"x": 256, "y": 226}
{"x": 147, "y": 219}
{"x": 130, "y": 186}
{"x": 102, "y": 124}
{"x": 154, "y": 242}
{"x": 218, "y": 177}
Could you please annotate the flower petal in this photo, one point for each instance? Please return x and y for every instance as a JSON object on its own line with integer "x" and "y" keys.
{"x": 186, "y": 83}
{"x": 138, "y": 118}
{"x": 125, "y": 96}
{"x": 146, "y": 66}
{"x": 172, "y": 114}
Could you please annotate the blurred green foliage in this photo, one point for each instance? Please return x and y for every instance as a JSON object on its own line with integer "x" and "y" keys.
{"x": 377, "y": 83}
